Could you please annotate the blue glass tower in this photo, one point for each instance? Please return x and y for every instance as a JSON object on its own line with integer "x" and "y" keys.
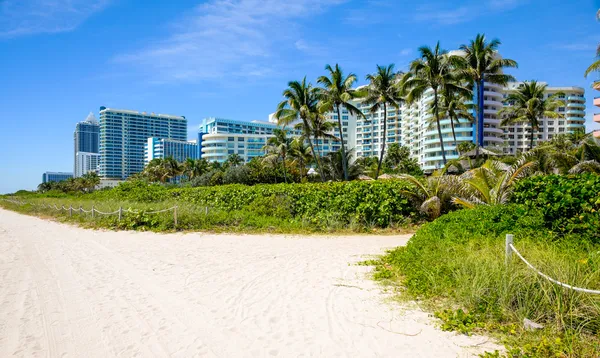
{"x": 124, "y": 135}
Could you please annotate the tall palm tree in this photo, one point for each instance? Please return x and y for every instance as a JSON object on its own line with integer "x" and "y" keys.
{"x": 595, "y": 66}
{"x": 337, "y": 92}
{"x": 301, "y": 100}
{"x": 433, "y": 70}
{"x": 528, "y": 105}
{"x": 301, "y": 154}
{"x": 456, "y": 107}
{"x": 380, "y": 92}
{"x": 278, "y": 147}
{"x": 321, "y": 128}
{"x": 479, "y": 64}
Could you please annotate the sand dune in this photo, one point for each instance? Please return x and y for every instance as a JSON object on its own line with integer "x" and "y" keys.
{"x": 66, "y": 291}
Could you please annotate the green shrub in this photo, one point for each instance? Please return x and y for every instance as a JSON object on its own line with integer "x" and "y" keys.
{"x": 457, "y": 261}
{"x": 570, "y": 204}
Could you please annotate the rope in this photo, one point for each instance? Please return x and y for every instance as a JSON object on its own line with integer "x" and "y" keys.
{"x": 159, "y": 211}
{"x": 551, "y": 279}
{"x": 102, "y": 213}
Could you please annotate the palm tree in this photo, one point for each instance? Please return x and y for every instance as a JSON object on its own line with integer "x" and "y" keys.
{"x": 321, "y": 128}
{"x": 433, "y": 71}
{"x": 381, "y": 92}
{"x": 90, "y": 180}
{"x": 278, "y": 147}
{"x": 234, "y": 160}
{"x": 300, "y": 153}
{"x": 595, "y": 66}
{"x": 479, "y": 64}
{"x": 491, "y": 184}
{"x": 528, "y": 105}
{"x": 455, "y": 106}
{"x": 332, "y": 164}
{"x": 300, "y": 102}
{"x": 337, "y": 92}
{"x": 171, "y": 169}
{"x": 432, "y": 194}
{"x": 193, "y": 168}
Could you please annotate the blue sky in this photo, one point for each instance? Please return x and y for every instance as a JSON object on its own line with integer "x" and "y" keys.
{"x": 61, "y": 59}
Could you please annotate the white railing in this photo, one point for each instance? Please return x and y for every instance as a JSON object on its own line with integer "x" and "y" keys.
{"x": 510, "y": 248}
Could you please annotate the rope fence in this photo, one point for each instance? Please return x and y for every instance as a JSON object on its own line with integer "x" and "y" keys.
{"x": 95, "y": 211}
{"x": 510, "y": 248}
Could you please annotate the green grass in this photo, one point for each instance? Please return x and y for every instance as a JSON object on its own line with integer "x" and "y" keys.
{"x": 455, "y": 267}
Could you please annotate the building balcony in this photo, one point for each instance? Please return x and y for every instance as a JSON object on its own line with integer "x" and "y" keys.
{"x": 597, "y": 117}
{"x": 576, "y": 98}
{"x": 575, "y": 111}
{"x": 576, "y": 119}
{"x": 597, "y": 101}
{"x": 576, "y": 125}
{"x": 575, "y": 105}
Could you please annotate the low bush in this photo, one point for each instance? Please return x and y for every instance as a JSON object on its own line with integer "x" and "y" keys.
{"x": 367, "y": 204}
{"x": 569, "y": 204}
{"x": 318, "y": 206}
{"x": 457, "y": 262}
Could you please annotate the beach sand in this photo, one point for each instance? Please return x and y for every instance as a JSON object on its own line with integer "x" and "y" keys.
{"x": 71, "y": 292}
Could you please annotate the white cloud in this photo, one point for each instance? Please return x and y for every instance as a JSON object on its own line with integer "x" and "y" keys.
{"x": 405, "y": 52}
{"x": 226, "y": 37}
{"x": 28, "y": 17}
{"x": 441, "y": 16}
{"x": 437, "y": 14}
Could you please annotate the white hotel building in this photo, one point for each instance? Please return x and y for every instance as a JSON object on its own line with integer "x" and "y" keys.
{"x": 518, "y": 137}
{"x": 412, "y": 126}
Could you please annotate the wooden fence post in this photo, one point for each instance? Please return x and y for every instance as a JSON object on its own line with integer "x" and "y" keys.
{"x": 206, "y": 210}
{"x": 120, "y": 212}
{"x": 80, "y": 210}
{"x": 70, "y": 210}
{"x": 92, "y": 211}
{"x": 507, "y": 248}
{"x": 175, "y": 216}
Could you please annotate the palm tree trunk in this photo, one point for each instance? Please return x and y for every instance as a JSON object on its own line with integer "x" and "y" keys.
{"x": 312, "y": 149}
{"x": 384, "y": 140}
{"x": 439, "y": 127}
{"x": 344, "y": 163}
{"x": 453, "y": 132}
{"x": 284, "y": 172}
{"x": 531, "y": 141}
{"x": 478, "y": 112}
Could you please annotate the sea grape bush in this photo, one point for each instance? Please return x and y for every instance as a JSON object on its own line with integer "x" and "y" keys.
{"x": 373, "y": 203}
{"x": 570, "y": 204}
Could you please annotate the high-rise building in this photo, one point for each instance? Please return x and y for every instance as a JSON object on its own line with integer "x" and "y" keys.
{"x": 124, "y": 135}
{"x": 86, "y": 139}
{"x": 176, "y": 149}
{"x": 597, "y": 104}
{"x": 518, "y": 136}
{"x": 85, "y": 163}
{"x": 218, "y": 138}
{"x": 413, "y": 126}
{"x": 55, "y": 176}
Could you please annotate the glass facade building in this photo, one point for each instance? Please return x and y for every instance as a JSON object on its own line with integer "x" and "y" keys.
{"x": 124, "y": 135}
{"x": 86, "y": 139}
{"x": 55, "y": 176}
{"x": 176, "y": 149}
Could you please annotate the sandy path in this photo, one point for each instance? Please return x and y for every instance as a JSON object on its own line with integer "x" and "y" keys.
{"x": 66, "y": 291}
